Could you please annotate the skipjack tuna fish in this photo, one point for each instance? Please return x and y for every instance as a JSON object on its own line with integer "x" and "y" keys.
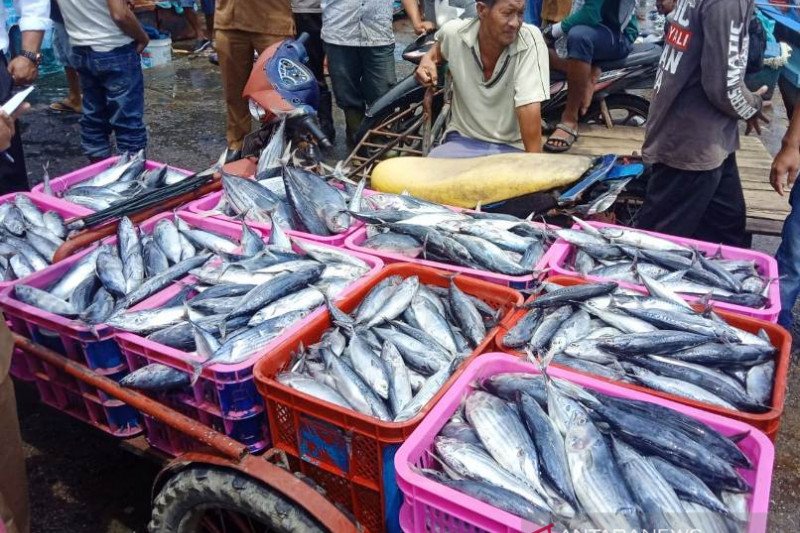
{"x": 393, "y": 354}
{"x": 624, "y": 254}
{"x": 655, "y": 340}
{"x": 552, "y": 452}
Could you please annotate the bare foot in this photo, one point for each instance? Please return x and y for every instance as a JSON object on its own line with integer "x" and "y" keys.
{"x": 587, "y": 98}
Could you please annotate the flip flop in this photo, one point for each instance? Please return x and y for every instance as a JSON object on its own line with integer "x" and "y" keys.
{"x": 564, "y": 144}
{"x": 61, "y": 107}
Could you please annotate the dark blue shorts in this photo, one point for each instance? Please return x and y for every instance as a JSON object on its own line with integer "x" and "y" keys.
{"x": 596, "y": 43}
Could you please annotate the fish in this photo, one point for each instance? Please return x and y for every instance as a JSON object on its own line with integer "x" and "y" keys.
{"x": 148, "y": 320}
{"x": 394, "y": 243}
{"x": 688, "y": 486}
{"x": 467, "y": 316}
{"x": 319, "y": 206}
{"x": 550, "y": 448}
{"x": 44, "y": 300}
{"x": 659, "y": 503}
{"x": 474, "y": 462}
{"x": 109, "y": 269}
{"x": 599, "y": 484}
{"x": 400, "y": 392}
{"x": 666, "y": 268}
{"x": 312, "y": 387}
{"x": 155, "y": 377}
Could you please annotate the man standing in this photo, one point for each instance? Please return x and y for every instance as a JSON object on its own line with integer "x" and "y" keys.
{"x": 308, "y": 19}
{"x": 359, "y": 41}
{"x": 500, "y": 77}
{"x": 22, "y": 70}
{"x": 242, "y": 27}
{"x": 63, "y": 51}
{"x": 782, "y": 177}
{"x": 107, "y": 40}
{"x": 692, "y": 130}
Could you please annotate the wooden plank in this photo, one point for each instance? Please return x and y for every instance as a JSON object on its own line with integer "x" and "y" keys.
{"x": 760, "y": 226}
{"x": 765, "y": 209}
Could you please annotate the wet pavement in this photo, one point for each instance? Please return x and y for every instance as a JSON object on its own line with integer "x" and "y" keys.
{"x": 81, "y": 480}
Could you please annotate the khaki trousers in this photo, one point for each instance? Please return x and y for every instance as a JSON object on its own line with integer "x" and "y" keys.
{"x": 13, "y": 482}
{"x": 235, "y": 51}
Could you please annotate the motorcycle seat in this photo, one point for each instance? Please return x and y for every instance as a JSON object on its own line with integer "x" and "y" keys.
{"x": 641, "y": 54}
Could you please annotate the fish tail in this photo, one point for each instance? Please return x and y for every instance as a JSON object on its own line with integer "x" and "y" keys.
{"x": 197, "y": 370}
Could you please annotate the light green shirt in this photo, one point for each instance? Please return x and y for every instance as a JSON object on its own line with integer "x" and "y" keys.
{"x": 486, "y": 109}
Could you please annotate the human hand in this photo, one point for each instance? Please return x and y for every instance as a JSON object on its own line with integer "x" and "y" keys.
{"x": 754, "y": 122}
{"x": 427, "y": 74}
{"x": 7, "y": 127}
{"x": 23, "y": 71}
{"x": 424, "y": 27}
{"x": 141, "y": 44}
{"x": 6, "y": 131}
{"x": 784, "y": 168}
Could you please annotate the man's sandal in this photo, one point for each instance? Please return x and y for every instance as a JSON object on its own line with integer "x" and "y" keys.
{"x": 558, "y": 145}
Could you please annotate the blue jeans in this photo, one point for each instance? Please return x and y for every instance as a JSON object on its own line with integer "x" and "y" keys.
{"x": 113, "y": 99}
{"x": 788, "y": 257}
{"x": 596, "y": 43}
{"x": 457, "y": 146}
{"x": 360, "y": 74}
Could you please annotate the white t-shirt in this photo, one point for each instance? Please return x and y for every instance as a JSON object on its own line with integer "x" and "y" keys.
{"x": 89, "y": 23}
{"x": 486, "y": 109}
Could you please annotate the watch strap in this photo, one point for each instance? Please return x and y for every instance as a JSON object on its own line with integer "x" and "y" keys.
{"x": 35, "y": 57}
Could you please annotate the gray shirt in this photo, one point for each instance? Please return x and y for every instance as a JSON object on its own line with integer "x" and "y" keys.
{"x": 306, "y": 6}
{"x": 699, "y": 94}
{"x": 357, "y": 22}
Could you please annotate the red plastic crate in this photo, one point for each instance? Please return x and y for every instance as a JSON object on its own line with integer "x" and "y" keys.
{"x": 355, "y": 451}
{"x": 768, "y": 422}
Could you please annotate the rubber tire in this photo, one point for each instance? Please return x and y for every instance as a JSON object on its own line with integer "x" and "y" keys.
{"x": 627, "y": 101}
{"x": 175, "y": 508}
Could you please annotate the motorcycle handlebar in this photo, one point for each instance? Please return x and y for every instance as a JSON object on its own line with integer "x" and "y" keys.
{"x": 302, "y": 38}
{"x": 310, "y": 123}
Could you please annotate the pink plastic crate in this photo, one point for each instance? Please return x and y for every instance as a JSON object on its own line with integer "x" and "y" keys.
{"x": 62, "y": 183}
{"x": 208, "y": 203}
{"x": 561, "y": 251}
{"x": 430, "y": 506}
{"x": 47, "y": 203}
{"x": 357, "y": 238}
{"x": 225, "y": 390}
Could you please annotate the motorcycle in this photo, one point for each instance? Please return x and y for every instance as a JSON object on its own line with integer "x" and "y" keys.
{"x": 612, "y": 103}
{"x": 281, "y": 87}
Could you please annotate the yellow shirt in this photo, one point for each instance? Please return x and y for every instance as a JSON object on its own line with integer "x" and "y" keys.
{"x": 270, "y": 17}
{"x": 485, "y": 109}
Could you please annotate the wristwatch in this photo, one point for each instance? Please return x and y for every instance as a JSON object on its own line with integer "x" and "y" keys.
{"x": 35, "y": 57}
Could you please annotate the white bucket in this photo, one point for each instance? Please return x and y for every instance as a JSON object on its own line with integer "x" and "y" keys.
{"x": 157, "y": 53}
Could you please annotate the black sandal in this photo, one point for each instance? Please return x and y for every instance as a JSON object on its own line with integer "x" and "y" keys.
{"x": 564, "y": 144}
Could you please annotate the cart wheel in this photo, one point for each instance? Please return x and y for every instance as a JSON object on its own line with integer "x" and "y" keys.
{"x": 214, "y": 500}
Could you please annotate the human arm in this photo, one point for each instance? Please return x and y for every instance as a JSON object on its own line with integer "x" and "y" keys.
{"x": 722, "y": 75}
{"x": 412, "y": 10}
{"x": 34, "y": 20}
{"x": 529, "y": 117}
{"x": 427, "y": 72}
{"x": 787, "y": 163}
{"x": 126, "y": 21}
{"x": 531, "y": 87}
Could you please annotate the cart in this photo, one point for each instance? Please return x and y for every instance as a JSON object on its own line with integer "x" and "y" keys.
{"x": 221, "y": 489}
